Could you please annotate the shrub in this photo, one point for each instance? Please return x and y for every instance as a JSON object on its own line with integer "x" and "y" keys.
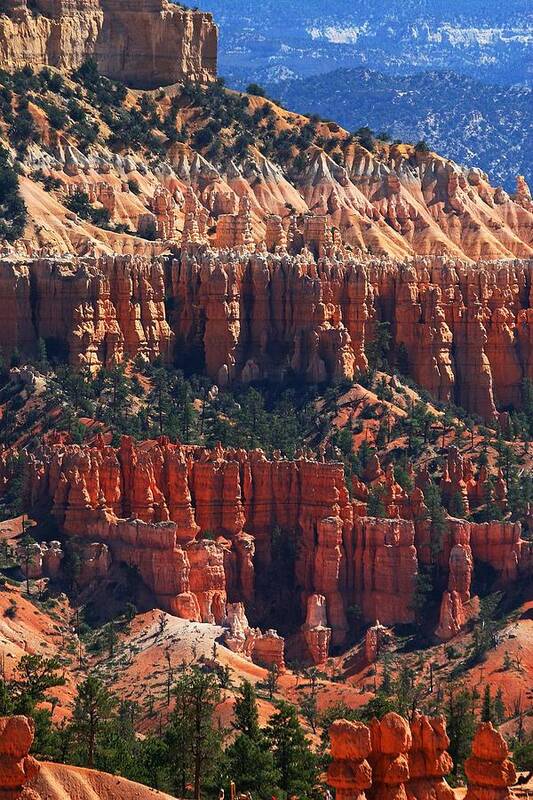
{"x": 13, "y": 212}
{"x": 254, "y": 88}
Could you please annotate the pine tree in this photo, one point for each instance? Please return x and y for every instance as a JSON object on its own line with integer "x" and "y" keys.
{"x": 375, "y": 505}
{"x": 293, "y": 757}
{"x": 248, "y": 760}
{"x": 460, "y": 725}
{"x": 194, "y": 742}
{"x": 499, "y": 707}
{"x": 246, "y": 713}
{"x": 457, "y": 505}
{"x": 93, "y": 705}
{"x": 487, "y": 710}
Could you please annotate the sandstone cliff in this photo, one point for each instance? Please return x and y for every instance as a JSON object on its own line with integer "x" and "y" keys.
{"x": 146, "y": 44}
{"x": 198, "y": 525}
{"x": 464, "y": 331}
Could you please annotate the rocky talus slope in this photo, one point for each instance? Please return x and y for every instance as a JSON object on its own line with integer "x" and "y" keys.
{"x": 396, "y": 202}
{"x": 463, "y": 331}
{"x": 148, "y": 43}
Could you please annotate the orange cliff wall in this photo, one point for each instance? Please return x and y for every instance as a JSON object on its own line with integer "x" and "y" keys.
{"x": 465, "y": 331}
{"x": 151, "y": 43}
{"x": 151, "y": 503}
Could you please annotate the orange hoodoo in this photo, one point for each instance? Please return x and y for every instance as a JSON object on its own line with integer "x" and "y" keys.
{"x": 391, "y": 741}
{"x": 428, "y": 760}
{"x": 17, "y": 768}
{"x": 488, "y": 770}
{"x": 349, "y": 773}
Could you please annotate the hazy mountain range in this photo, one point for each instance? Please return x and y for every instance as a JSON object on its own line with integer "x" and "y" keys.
{"x": 292, "y": 38}
{"x": 456, "y": 74}
{"x": 473, "y": 123}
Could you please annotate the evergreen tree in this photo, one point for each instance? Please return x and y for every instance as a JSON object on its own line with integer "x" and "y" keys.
{"x": 487, "y": 709}
{"x": 26, "y": 553}
{"x": 250, "y": 764}
{"x": 246, "y": 713}
{"x": 376, "y": 507}
{"x": 93, "y": 705}
{"x": 248, "y": 760}
{"x": 460, "y": 725}
{"x": 457, "y": 505}
{"x": 293, "y": 757}
{"x": 433, "y": 501}
{"x": 195, "y": 744}
{"x": 499, "y": 707}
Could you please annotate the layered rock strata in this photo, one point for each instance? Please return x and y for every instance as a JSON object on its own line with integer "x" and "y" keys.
{"x": 409, "y": 762}
{"x": 349, "y": 773}
{"x": 429, "y": 761}
{"x": 146, "y": 44}
{"x": 489, "y": 771}
{"x": 198, "y": 525}
{"x": 17, "y": 767}
{"x": 391, "y": 741}
{"x": 262, "y": 315}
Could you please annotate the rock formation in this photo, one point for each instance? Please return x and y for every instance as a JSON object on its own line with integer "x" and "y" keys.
{"x": 488, "y": 770}
{"x": 259, "y": 315}
{"x": 410, "y": 763}
{"x": 391, "y": 740}
{"x": 429, "y": 762}
{"x": 151, "y": 504}
{"x": 151, "y": 43}
{"x": 349, "y": 773}
{"x": 17, "y": 767}
{"x": 316, "y": 632}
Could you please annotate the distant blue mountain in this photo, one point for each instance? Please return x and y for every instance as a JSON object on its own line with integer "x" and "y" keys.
{"x": 476, "y": 124}
{"x": 273, "y": 39}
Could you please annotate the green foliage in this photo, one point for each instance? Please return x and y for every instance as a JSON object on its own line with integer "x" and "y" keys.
{"x": 375, "y": 505}
{"x": 365, "y": 137}
{"x": 78, "y": 202}
{"x": 437, "y": 514}
{"x": 523, "y": 754}
{"x": 377, "y": 349}
{"x": 248, "y": 761}
{"x": 460, "y": 726}
{"x": 194, "y": 743}
{"x": 457, "y": 506}
{"x": 29, "y": 687}
{"x": 13, "y": 213}
{"x": 297, "y": 764}
{"x": 254, "y": 88}
{"x": 93, "y": 705}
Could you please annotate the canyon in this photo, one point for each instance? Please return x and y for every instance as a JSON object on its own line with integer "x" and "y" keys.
{"x": 198, "y": 524}
{"x": 185, "y": 269}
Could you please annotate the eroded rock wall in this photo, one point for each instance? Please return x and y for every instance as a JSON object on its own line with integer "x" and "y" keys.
{"x": 144, "y": 44}
{"x": 463, "y": 331}
{"x": 198, "y": 525}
